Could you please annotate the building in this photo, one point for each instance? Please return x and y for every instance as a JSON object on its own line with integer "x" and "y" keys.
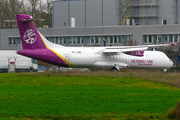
{"x": 92, "y": 36}
{"x": 115, "y": 12}
{"x": 118, "y": 21}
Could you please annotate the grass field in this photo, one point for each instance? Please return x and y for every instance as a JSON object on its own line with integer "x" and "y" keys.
{"x": 88, "y": 95}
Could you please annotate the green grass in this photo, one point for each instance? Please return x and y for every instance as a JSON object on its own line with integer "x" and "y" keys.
{"x": 95, "y": 95}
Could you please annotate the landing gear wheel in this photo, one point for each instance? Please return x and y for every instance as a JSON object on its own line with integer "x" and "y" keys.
{"x": 114, "y": 69}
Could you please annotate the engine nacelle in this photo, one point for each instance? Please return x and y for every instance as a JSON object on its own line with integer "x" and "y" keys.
{"x": 108, "y": 65}
{"x": 121, "y": 66}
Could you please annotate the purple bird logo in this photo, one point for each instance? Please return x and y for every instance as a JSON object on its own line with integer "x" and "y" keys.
{"x": 30, "y": 36}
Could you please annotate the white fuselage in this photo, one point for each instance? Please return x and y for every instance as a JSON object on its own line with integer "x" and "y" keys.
{"x": 89, "y": 58}
{"x": 36, "y": 46}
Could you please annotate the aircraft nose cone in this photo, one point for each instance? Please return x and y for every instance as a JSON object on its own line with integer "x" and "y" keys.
{"x": 171, "y": 63}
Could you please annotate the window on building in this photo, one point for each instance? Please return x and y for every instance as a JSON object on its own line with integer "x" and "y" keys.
{"x": 61, "y": 40}
{"x": 96, "y": 40}
{"x": 166, "y": 38}
{"x": 100, "y": 39}
{"x": 150, "y": 38}
{"x": 111, "y": 39}
{"x": 78, "y": 40}
{"x": 52, "y": 40}
{"x": 57, "y": 40}
{"x": 120, "y": 39}
{"x": 145, "y": 39}
{"x": 74, "y": 39}
{"x": 10, "y": 41}
{"x": 65, "y": 40}
{"x": 70, "y": 40}
{"x": 19, "y": 41}
{"x": 82, "y": 40}
{"x": 115, "y": 39}
{"x": 88, "y": 40}
{"x": 175, "y": 38}
{"x": 14, "y": 41}
{"x": 154, "y": 38}
{"x": 159, "y": 38}
{"x": 92, "y": 40}
{"x": 126, "y": 39}
{"x": 170, "y": 38}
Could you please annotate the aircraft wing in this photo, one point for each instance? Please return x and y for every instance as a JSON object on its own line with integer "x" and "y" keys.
{"x": 117, "y": 50}
{"x": 139, "y": 46}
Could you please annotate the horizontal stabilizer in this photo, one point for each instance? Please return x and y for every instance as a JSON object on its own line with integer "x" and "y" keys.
{"x": 29, "y": 20}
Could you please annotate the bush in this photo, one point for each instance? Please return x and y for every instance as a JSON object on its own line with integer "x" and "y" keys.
{"x": 174, "y": 113}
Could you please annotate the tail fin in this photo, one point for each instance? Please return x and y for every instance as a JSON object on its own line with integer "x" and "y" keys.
{"x": 30, "y": 37}
{"x": 35, "y": 45}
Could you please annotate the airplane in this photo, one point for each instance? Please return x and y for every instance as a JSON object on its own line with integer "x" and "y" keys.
{"x": 36, "y": 46}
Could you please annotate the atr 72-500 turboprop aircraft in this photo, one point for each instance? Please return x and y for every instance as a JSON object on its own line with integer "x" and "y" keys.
{"x": 36, "y": 46}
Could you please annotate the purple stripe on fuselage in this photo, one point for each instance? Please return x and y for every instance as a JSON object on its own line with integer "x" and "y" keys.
{"x": 45, "y": 55}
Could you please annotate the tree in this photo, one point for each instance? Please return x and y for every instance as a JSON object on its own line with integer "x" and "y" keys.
{"x": 38, "y": 9}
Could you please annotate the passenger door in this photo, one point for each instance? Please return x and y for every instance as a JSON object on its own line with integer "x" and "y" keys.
{"x": 67, "y": 57}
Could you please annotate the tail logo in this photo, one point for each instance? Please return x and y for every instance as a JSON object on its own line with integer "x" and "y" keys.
{"x": 30, "y": 36}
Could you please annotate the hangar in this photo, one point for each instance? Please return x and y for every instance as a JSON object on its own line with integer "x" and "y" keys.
{"x": 92, "y": 36}
{"x": 117, "y": 21}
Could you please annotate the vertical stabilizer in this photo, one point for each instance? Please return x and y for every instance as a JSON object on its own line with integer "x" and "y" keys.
{"x": 30, "y": 37}
{"x": 36, "y": 46}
